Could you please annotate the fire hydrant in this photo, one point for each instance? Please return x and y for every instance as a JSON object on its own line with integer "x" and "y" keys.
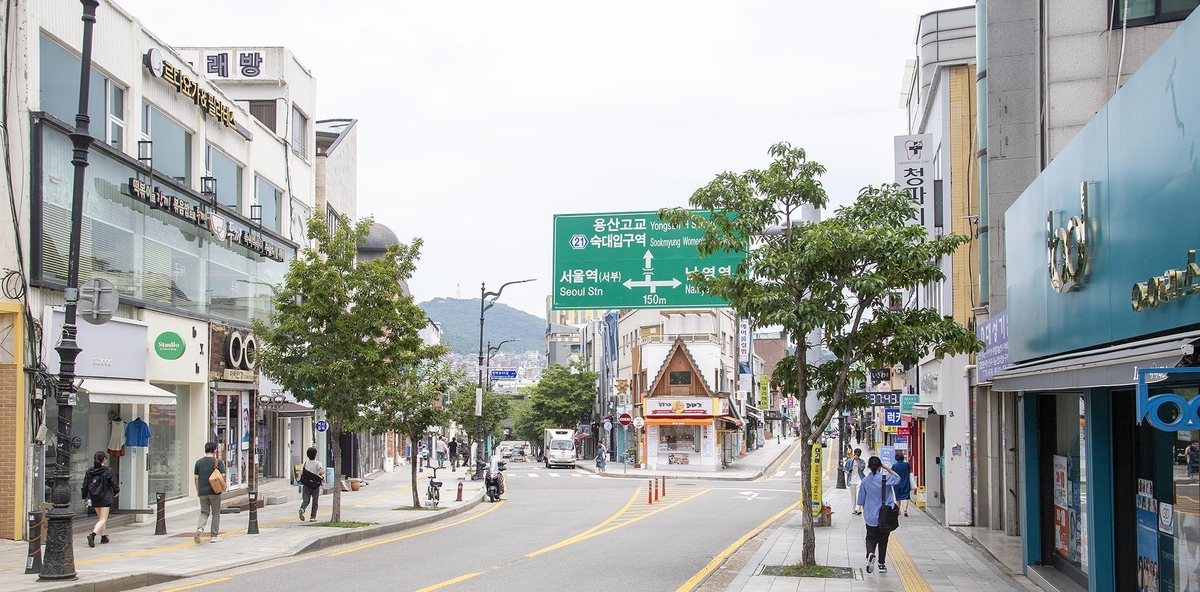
{"x": 459, "y": 491}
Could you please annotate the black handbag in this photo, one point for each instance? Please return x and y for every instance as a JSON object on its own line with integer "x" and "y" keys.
{"x": 889, "y": 516}
{"x": 310, "y": 480}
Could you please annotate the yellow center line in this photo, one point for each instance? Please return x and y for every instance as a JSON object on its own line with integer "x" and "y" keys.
{"x": 600, "y": 528}
{"x": 419, "y": 532}
{"x": 910, "y": 576}
{"x": 786, "y": 462}
{"x": 198, "y": 585}
{"x": 449, "y": 582}
{"x": 723, "y": 555}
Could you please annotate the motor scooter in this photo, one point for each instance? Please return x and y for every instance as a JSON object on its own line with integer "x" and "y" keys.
{"x": 493, "y": 480}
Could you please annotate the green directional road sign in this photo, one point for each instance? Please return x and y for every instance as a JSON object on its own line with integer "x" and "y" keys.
{"x": 630, "y": 260}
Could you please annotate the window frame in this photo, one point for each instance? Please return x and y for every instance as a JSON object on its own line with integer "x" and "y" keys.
{"x": 109, "y": 86}
{"x": 278, "y": 202}
{"x": 147, "y": 133}
{"x": 241, "y": 173}
{"x": 299, "y": 139}
{"x": 672, "y": 375}
{"x": 1115, "y": 7}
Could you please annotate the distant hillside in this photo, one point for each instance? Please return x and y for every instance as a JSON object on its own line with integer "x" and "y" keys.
{"x": 460, "y": 325}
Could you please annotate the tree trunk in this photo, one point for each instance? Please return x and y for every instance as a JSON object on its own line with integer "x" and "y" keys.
{"x": 808, "y": 557}
{"x": 335, "y": 436}
{"x": 413, "y": 469}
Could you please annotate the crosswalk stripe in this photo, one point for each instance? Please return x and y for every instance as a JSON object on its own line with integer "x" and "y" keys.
{"x": 554, "y": 474}
{"x": 798, "y": 473}
{"x": 533, "y": 474}
{"x": 576, "y": 475}
{"x": 780, "y": 473}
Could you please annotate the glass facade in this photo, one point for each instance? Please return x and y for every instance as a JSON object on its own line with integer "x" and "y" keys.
{"x": 172, "y": 147}
{"x": 58, "y": 93}
{"x": 150, "y": 255}
{"x": 228, "y": 176}
{"x": 169, "y": 468}
{"x": 1167, "y": 504}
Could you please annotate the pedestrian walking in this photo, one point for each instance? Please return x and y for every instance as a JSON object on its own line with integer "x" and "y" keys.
{"x": 100, "y": 489}
{"x": 903, "y": 489}
{"x": 210, "y": 500}
{"x": 312, "y": 476}
{"x": 871, "y": 498}
{"x": 442, "y": 450}
{"x": 453, "y": 447}
{"x": 601, "y": 457}
{"x": 854, "y": 476}
{"x": 1193, "y": 458}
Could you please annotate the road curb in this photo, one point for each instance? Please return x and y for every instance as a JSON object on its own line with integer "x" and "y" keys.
{"x": 333, "y": 540}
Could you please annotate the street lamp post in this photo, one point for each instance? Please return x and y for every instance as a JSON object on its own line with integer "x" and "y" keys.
{"x": 262, "y": 401}
{"x": 491, "y": 351}
{"x": 59, "y": 563}
{"x": 486, "y": 301}
{"x": 841, "y": 453}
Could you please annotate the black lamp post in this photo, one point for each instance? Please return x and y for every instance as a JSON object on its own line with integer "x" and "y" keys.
{"x": 491, "y": 351}
{"x": 486, "y": 301}
{"x": 841, "y": 455}
{"x": 59, "y": 563}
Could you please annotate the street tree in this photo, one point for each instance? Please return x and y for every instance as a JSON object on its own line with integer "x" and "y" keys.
{"x": 834, "y": 281}
{"x": 336, "y": 325}
{"x": 412, "y": 404}
{"x": 563, "y": 396}
{"x": 462, "y": 411}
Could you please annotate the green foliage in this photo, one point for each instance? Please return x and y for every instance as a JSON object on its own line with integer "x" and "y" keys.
{"x": 411, "y": 404}
{"x": 461, "y": 410}
{"x": 337, "y": 324}
{"x": 562, "y": 397}
{"x": 460, "y": 325}
{"x": 526, "y": 425}
{"x": 838, "y": 276}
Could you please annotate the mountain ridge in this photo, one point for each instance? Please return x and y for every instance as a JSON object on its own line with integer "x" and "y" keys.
{"x": 459, "y": 318}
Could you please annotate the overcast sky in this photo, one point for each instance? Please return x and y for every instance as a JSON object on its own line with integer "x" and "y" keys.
{"x": 478, "y": 121}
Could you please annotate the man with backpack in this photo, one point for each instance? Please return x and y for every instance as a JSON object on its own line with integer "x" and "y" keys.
{"x": 209, "y": 469}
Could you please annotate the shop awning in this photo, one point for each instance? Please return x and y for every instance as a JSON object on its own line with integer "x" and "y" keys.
{"x": 1110, "y": 366}
{"x": 730, "y": 420}
{"x": 294, "y": 409}
{"x": 692, "y": 421}
{"x": 125, "y": 392}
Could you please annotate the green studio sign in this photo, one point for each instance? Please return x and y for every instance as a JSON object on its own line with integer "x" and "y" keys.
{"x": 169, "y": 346}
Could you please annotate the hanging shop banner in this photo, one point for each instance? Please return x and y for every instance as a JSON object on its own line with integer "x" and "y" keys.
{"x": 914, "y": 168}
{"x": 816, "y": 475}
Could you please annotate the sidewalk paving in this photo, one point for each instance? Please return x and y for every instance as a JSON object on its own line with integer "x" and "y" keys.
{"x": 922, "y": 555}
{"x": 137, "y": 557}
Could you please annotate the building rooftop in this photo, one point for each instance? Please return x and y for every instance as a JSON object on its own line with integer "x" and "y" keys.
{"x": 330, "y": 133}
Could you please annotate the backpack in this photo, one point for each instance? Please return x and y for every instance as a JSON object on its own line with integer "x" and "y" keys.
{"x": 97, "y": 484}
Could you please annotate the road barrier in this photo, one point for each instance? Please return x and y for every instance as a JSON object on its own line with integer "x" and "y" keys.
{"x": 649, "y": 492}
{"x": 656, "y": 489}
{"x": 664, "y": 485}
{"x": 160, "y": 523}
{"x": 459, "y": 492}
{"x": 33, "y": 564}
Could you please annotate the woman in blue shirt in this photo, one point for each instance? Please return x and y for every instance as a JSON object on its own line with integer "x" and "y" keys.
{"x": 870, "y": 497}
{"x": 904, "y": 488}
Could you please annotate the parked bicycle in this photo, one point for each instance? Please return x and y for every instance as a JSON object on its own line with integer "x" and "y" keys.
{"x": 433, "y": 492}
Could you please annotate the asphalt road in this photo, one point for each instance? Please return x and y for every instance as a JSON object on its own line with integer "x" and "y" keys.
{"x": 555, "y": 529}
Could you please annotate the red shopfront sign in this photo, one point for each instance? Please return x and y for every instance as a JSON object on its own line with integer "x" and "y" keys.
{"x": 903, "y": 431}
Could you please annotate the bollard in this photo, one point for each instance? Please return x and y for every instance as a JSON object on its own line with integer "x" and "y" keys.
{"x": 33, "y": 564}
{"x": 252, "y": 528}
{"x": 664, "y": 485}
{"x": 459, "y": 492}
{"x": 649, "y": 492}
{"x": 656, "y": 489}
{"x": 160, "y": 524}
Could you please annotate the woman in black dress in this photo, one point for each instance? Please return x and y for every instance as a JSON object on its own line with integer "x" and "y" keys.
{"x": 100, "y": 488}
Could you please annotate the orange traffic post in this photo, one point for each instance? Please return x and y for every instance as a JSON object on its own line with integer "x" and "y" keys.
{"x": 656, "y": 489}
{"x": 649, "y": 493}
{"x": 459, "y": 492}
{"x": 664, "y": 485}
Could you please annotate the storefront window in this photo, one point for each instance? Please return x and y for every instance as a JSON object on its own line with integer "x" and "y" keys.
{"x": 1070, "y": 482}
{"x": 147, "y": 253}
{"x": 1178, "y": 556}
{"x": 167, "y": 458}
{"x": 679, "y": 439}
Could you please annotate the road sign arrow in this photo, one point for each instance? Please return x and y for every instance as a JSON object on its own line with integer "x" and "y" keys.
{"x": 749, "y": 494}
{"x": 652, "y": 284}
{"x": 649, "y": 257}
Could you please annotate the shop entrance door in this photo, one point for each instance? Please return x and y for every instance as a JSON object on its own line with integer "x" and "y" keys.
{"x": 231, "y": 425}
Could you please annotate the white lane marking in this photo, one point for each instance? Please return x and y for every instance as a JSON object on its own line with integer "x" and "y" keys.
{"x": 576, "y": 475}
{"x": 554, "y": 475}
{"x": 533, "y": 474}
{"x": 798, "y": 473}
{"x": 780, "y": 473}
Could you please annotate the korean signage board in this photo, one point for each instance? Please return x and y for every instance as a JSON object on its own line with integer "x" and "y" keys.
{"x": 630, "y": 260}
{"x": 743, "y": 338}
{"x": 233, "y": 63}
{"x": 677, "y": 407}
{"x": 205, "y": 101}
{"x": 907, "y": 402}
{"x": 914, "y": 167}
{"x": 994, "y": 357}
{"x": 116, "y": 349}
